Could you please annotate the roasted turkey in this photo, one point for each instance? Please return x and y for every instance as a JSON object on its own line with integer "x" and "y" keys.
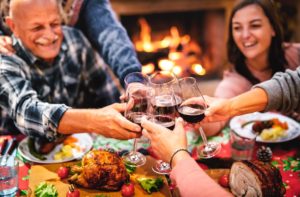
{"x": 100, "y": 169}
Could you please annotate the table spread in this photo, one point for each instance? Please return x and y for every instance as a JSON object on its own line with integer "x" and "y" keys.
{"x": 286, "y": 157}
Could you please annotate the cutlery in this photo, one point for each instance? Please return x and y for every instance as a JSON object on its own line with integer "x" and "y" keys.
{"x": 3, "y": 147}
{"x": 12, "y": 146}
{"x": 7, "y": 150}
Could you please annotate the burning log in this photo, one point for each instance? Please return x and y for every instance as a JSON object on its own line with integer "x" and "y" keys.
{"x": 155, "y": 56}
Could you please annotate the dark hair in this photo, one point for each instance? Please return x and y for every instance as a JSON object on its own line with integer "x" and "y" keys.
{"x": 276, "y": 56}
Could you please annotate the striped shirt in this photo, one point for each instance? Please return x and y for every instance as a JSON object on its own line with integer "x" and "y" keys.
{"x": 34, "y": 94}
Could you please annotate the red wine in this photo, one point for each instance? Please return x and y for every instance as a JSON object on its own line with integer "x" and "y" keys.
{"x": 165, "y": 121}
{"x": 192, "y": 113}
{"x": 140, "y": 101}
{"x": 165, "y": 104}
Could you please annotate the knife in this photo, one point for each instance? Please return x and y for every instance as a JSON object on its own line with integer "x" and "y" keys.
{"x": 12, "y": 147}
{"x": 3, "y": 146}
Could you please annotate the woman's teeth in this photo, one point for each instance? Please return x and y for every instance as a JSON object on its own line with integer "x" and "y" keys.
{"x": 248, "y": 44}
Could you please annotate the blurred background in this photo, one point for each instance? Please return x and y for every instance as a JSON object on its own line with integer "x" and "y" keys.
{"x": 189, "y": 36}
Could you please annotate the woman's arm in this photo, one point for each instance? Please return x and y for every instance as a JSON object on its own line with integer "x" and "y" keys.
{"x": 227, "y": 88}
{"x": 191, "y": 180}
{"x": 280, "y": 93}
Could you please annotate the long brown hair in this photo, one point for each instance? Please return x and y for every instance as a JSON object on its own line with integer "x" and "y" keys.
{"x": 276, "y": 58}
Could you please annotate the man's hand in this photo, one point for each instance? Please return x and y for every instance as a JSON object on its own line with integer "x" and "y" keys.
{"x": 218, "y": 109}
{"x": 112, "y": 124}
{"x": 107, "y": 121}
{"x": 164, "y": 141}
{"x": 6, "y": 45}
{"x": 253, "y": 100}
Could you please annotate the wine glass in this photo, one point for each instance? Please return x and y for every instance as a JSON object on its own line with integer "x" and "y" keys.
{"x": 135, "y": 82}
{"x": 193, "y": 112}
{"x": 162, "y": 108}
{"x": 136, "y": 78}
{"x": 137, "y": 102}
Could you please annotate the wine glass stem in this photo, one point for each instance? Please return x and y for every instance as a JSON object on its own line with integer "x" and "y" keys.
{"x": 203, "y": 136}
{"x": 134, "y": 145}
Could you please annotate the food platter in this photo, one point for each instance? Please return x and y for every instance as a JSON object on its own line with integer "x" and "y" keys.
{"x": 84, "y": 144}
{"x": 237, "y": 124}
{"x": 49, "y": 172}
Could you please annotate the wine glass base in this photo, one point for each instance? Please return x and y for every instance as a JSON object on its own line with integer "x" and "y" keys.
{"x": 161, "y": 167}
{"x": 134, "y": 159}
{"x": 209, "y": 150}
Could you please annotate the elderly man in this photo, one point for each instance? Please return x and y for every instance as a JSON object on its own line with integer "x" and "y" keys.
{"x": 53, "y": 70}
{"x": 96, "y": 19}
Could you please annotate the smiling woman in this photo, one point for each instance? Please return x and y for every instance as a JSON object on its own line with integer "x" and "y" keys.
{"x": 255, "y": 50}
{"x": 252, "y": 33}
{"x": 255, "y": 47}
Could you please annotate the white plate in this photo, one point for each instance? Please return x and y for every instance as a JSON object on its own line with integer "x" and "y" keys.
{"x": 85, "y": 142}
{"x": 236, "y": 124}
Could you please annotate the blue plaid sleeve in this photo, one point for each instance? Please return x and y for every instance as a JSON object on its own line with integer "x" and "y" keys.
{"x": 31, "y": 116}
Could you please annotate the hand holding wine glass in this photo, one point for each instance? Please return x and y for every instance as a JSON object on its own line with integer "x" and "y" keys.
{"x": 192, "y": 110}
{"x": 218, "y": 109}
{"x": 137, "y": 104}
{"x": 162, "y": 108}
{"x": 163, "y": 141}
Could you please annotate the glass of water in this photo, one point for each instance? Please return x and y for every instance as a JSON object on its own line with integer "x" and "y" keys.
{"x": 241, "y": 146}
{"x": 9, "y": 167}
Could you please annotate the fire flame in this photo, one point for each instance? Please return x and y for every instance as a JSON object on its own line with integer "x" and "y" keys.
{"x": 165, "y": 64}
{"x": 148, "y": 68}
{"x": 198, "y": 69}
{"x": 177, "y": 60}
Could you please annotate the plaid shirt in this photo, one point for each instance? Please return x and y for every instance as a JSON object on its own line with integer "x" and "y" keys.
{"x": 35, "y": 94}
{"x": 97, "y": 20}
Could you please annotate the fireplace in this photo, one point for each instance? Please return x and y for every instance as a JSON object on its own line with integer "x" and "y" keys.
{"x": 185, "y": 36}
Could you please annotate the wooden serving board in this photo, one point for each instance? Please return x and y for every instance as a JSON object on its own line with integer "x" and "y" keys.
{"x": 215, "y": 174}
{"x": 40, "y": 173}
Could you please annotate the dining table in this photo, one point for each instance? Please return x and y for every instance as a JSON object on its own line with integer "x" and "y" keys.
{"x": 285, "y": 156}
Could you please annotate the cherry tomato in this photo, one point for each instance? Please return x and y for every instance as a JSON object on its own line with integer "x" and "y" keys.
{"x": 63, "y": 172}
{"x": 127, "y": 190}
{"x": 224, "y": 180}
{"x": 73, "y": 192}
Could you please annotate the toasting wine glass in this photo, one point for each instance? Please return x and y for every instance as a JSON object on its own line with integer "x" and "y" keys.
{"x": 137, "y": 102}
{"x": 192, "y": 111}
{"x": 162, "y": 109}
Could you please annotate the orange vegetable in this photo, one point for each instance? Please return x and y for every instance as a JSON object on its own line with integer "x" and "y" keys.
{"x": 277, "y": 122}
{"x": 70, "y": 140}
